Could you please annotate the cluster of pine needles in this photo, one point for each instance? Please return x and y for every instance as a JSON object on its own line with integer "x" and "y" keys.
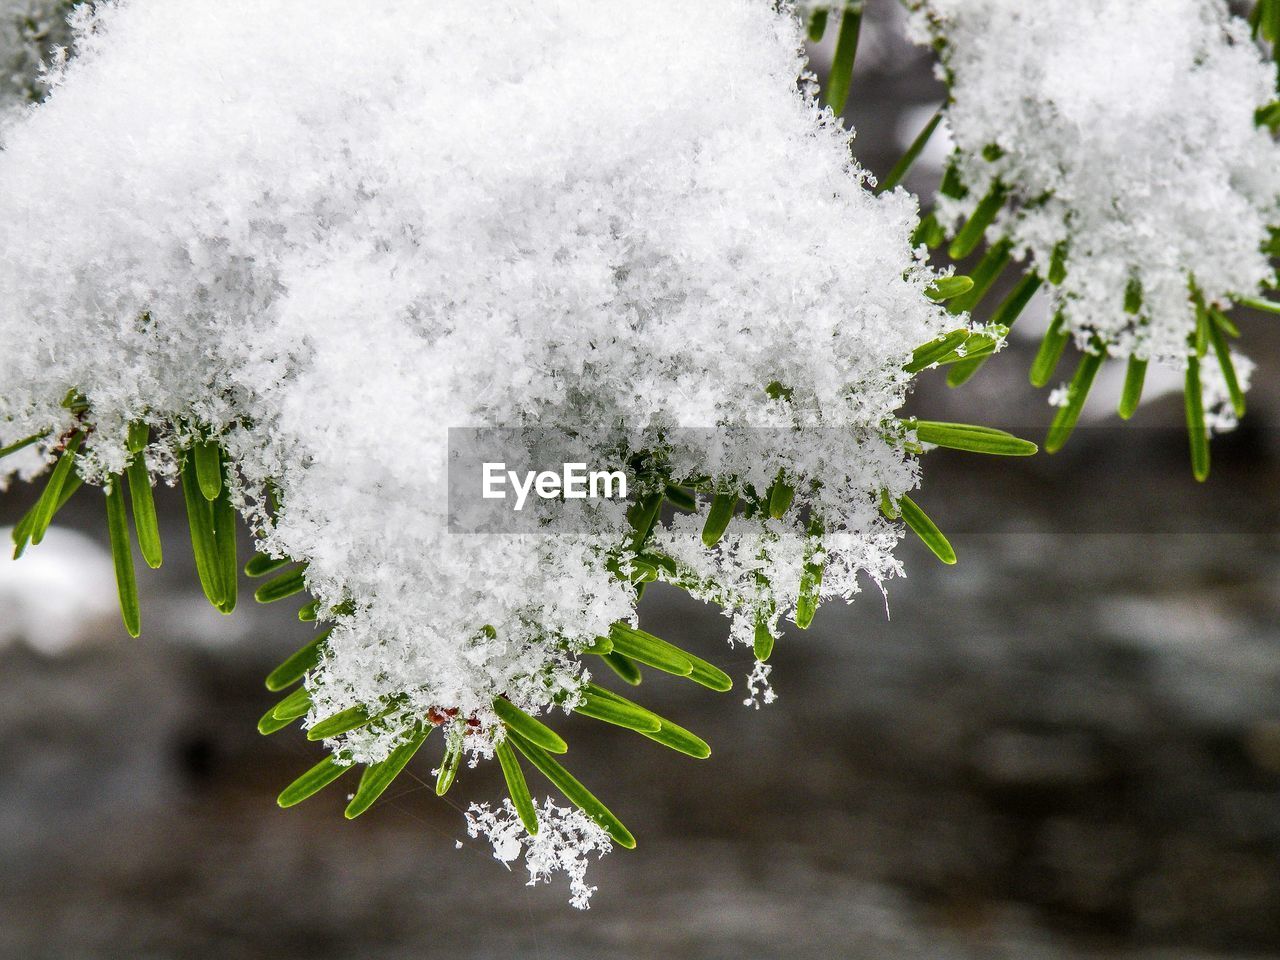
{"x": 206, "y": 478}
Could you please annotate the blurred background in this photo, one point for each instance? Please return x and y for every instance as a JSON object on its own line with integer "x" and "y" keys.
{"x": 1068, "y": 745}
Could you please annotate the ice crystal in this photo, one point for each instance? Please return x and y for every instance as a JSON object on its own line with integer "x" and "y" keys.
{"x": 1123, "y": 132}
{"x": 565, "y": 840}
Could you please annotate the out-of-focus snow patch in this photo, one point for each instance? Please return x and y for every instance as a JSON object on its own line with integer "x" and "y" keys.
{"x": 58, "y": 594}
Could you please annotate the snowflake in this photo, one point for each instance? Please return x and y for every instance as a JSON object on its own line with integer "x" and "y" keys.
{"x": 565, "y": 840}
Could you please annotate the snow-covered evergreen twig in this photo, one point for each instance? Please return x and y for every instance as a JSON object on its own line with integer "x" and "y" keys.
{"x": 276, "y": 277}
{"x": 1125, "y": 148}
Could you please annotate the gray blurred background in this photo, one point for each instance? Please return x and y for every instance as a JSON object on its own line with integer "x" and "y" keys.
{"x": 1068, "y": 745}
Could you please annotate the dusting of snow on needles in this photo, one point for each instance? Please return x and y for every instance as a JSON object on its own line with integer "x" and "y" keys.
{"x": 612, "y": 219}
{"x": 1124, "y": 133}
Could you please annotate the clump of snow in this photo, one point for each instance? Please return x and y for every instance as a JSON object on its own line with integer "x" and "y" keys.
{"x": 759, "y": 687}
{"x": 1124, "y": 132}
{"x": 614, "y": 220}
{"x": 565, "y": 840}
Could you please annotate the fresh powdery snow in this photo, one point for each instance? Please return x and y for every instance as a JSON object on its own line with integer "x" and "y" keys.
{"x": 1124, "y": 131}
{"x": 325, "y": 232}
{"x": 563, "y": 844}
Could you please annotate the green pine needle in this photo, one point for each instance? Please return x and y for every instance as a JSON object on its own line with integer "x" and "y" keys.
{"x": 295, "y": 705}
{"x": 947, "y": 288}
{"x": 378, "y": 776}
{"x": 22, "y": 530}
{"x": 269, "y": 723}
{"x": 718, "y": 517}
{"x": 208, "y": 460}
{"x": 952, "y": 186}
{"x": 599, "y": 646}
{"x": 1012, "y": 306}
{"x": 926, "y": 530}
{"x": 597, "y": 705}
{"x": 1202, "y": 327}
{"x": 680, "y": 497}
{"x": 670, "y": 735}
{"x": 762, "y": 642}
{"x": 311, "y": 782}
{"x": 1197, "y": 433}
{"x": 449, "y": 766}
{"x": 1058, "y": 264}
{"x": 624, "y": 667}
{"x": 22, "y": 444}
{"x": 260, "y": 565}
{"x": 928, "y": 232}
{"x": 1050, "y": 352}
{"x": 647, "y": 649}
{"x": 353, "y": 718}
{"x": 1220, "y": 347}
{"x": 642, "y": 516}
{"x": 122, "y": 556}
{"x": 841, "y": 78}
{"x": 970, "y": 235}
{"x": 145, "y": 522}
{"x": 677, "y": 738}
{"x": 517, "y": 788}
{"x": 1133, "y": 296}
{"x": 818, "y": 24}
{"x": 780, "y": 496}
{"x": 1223, "y": 321}
{"x": 285, "y": 585}
{"x": 964, "y": 370}
{"x": 203, "y": 538}
{"x": 972, "y": 439}
{"x": 309, "y": 612}
{"x": 903, "y": 166}
{"x": 932, "y": 352}
{"x": 51, "y": 499}
{"x": 224, "y": 542}
{"x": 532, "y": 729}
{"x": 1134, "y": 377}
{"x": 296, "y": 667}
{"x": 810, "y": 579}
{"x": 1064, "y": 421}
{"x": 574, "y": 791}
{"x": 984, "y": 276}
{"x": 657, "y": 653}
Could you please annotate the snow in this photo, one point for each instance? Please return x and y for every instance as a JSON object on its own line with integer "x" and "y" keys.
{"x": 619, "y": 221}
{"x": 563, "y": 844}
{"x": 1125, "y": 131}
